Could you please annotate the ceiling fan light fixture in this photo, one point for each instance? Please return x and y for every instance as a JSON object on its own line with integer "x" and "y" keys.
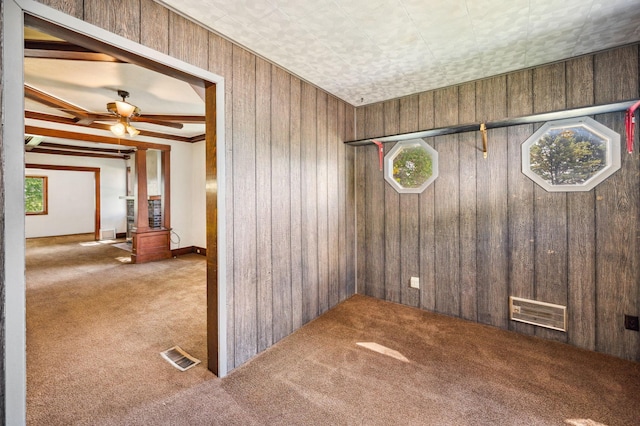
{"x": 132, "y": 130}
{"x": 118, "y": 129}
{"x": 123, "y": 109}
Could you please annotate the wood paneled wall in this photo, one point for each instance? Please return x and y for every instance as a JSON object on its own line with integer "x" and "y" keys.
{"x": 483, "y": 231}
{"x": 289, "y": 194}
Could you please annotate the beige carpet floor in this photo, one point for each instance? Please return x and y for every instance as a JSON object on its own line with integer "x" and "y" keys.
{"x": 96, "y": 326}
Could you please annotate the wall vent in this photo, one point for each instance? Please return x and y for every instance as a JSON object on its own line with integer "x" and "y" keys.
{"x": 538, "y": 313}
{"x": 107, "y": 234}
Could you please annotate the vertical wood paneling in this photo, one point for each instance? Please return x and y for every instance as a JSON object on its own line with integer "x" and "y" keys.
{"x": 409, "y": 215}
{"x": 308, "y": 128}
{"x": 361, "y": 213}
{"x": 521, "y": 194}
{"x": 392, "y": 238}
{"x": 154, "y": 26}
{"x": 296, "y": 207}
{"x": 322, "y": 202}
{"x": 491, "y": 100}
{"x": 187, "y": 41}
{"x": 426, "y": 117}
{"x": 221, "y": 63}
{"x": 581, "y": 225}
{"x": 343, "y": 252}
{"x": 333, "y": 196}
{"x": 70, "y": 7}
{"x": 263, "y": 204}
{"x": 617, "y": 215}
{"x": 467, "y": 170}
{"x": 257, "y": 133}
{"x": 281, "y": 203}
{"x": 374, "y": 204}
{"x": 244, "y": 194}
{"x": 579, "y": 249}
{"x": 121, "y": 17}
{"x": 447, "y": 206}
{"x": 550, "y": 215}
{"x": 350, "y": 208}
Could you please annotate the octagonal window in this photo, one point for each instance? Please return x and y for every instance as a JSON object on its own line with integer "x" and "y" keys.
{"x": 571, "y": 155}
{"x": 411, "y": 166}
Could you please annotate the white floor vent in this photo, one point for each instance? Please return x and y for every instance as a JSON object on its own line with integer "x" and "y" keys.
{"x": 538, "y": 313}
{"x": 107, "y": 234}
{"x": 181, "y": 360}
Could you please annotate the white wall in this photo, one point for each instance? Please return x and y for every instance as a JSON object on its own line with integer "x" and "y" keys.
{"x": 112, "y": 186}
{"x": 188, "y": 197}
{"x": 70, "y": 207}
{"x": 199, "y": 196}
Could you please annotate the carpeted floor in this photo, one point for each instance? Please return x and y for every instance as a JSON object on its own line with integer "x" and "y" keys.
{"x": 96, "y": 326}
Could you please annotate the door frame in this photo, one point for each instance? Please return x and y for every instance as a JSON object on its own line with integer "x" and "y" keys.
{"x": 13, "y": 19}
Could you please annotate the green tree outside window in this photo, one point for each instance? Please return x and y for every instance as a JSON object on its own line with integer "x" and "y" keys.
{"x": 35, "y": 194}
{"x": 568, "y": 156}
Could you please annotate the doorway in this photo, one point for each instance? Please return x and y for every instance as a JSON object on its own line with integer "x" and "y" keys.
{"x": 37, "y": 15}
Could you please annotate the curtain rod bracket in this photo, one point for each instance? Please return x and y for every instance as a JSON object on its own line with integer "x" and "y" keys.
{"x": 483, "y": 130}
{"x": 380, "y": 151}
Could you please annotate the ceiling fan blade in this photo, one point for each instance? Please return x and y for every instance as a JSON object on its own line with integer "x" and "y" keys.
{"x": 176, "y": 118}
{"x": 83, "y": 116}
{"x": 144, "y": 119}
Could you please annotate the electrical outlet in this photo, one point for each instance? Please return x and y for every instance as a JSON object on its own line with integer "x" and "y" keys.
{"x": 631, "y": 323}
{"x": 414, "y": 282}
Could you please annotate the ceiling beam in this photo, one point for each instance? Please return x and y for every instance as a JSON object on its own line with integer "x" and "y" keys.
{"x": 62, "y": 50}
{"x": 86, "y": 148}
{"x": 63, "y": 134}
{"x": 38, "y": 150}
{"x": 74, "y": 122}
{"x": 83, "y": 116}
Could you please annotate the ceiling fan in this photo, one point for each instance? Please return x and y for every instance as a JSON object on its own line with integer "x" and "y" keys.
{"x": 122, "y": 112}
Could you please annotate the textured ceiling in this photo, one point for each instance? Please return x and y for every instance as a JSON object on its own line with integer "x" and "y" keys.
{"x": 365, "y": 51}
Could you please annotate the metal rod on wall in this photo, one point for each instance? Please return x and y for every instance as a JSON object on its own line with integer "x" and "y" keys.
{"x": 527, "y": 119}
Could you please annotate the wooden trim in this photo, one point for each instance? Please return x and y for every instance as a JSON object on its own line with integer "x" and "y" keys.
{"x": 96, "y": 172}
{"x": 181, "y": 251}
{"x": 41, "y": 131}
{"x": 141, "y": 223}
{"x": 212, "y": 227}
{"x": 188, "y": 250}
{"x": 165, "y": 159}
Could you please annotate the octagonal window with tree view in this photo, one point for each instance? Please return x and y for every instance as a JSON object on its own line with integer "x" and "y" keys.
{"x": 411, "y": 166}
{"x": 571, "y": 155}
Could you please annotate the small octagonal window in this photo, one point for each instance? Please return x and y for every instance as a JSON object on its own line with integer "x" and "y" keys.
{"x": 411, "y": 166}
{"x": 571, "y": 155}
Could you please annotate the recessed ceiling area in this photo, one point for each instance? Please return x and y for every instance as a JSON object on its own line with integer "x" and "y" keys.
{"x": 365, "y": 51}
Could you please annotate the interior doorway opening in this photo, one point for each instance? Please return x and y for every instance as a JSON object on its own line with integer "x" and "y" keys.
{"x": 51, "y": 21}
